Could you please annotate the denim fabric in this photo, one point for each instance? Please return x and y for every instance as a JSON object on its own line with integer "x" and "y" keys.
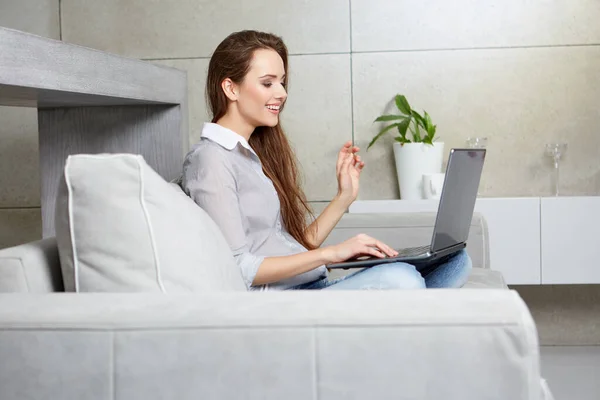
{"x": 449, "y": 273}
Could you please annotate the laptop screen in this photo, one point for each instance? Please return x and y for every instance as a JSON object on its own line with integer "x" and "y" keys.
{"x": 457, "y": 201}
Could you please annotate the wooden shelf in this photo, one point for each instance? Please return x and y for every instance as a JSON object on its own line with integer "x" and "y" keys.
{"x": 41, "y": 72}
{"x": 93, "y": 102}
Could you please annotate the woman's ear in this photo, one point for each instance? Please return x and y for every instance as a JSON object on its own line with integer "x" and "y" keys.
{"x": 230, "y": 89}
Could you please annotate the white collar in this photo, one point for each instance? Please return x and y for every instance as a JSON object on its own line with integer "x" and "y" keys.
{"x": 224, "y": 136}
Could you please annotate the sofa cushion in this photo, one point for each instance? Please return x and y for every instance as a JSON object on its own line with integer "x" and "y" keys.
{"x": 121, "y": 227}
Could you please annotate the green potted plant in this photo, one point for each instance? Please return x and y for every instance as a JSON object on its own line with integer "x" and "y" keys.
{"x": 416, "y": 154}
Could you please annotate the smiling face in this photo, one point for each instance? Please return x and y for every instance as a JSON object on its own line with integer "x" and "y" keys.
{"x": 262, "y": 92}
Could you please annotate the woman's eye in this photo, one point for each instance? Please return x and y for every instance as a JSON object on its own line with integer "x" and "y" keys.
{"x": 269, "y": 84}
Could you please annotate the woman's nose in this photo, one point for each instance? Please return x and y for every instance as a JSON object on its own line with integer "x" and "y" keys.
{"x": 281, "y": 93}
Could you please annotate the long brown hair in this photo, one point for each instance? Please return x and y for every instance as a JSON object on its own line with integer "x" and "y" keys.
{"x": 232, "y": 59}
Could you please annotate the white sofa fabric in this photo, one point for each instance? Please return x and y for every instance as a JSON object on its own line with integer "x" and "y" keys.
{"x": 423, "y": 344}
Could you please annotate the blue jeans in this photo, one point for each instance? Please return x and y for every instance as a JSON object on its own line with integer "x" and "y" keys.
{"x": 450, "y": 273}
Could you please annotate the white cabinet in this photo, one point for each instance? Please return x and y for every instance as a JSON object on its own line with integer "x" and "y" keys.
{"x": 533, "y": 240}
{"x": 514, "y": 230}
{"x": 570, "y": 240}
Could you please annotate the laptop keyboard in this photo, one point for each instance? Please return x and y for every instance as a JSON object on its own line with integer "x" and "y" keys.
{"x": 413, "y": 251}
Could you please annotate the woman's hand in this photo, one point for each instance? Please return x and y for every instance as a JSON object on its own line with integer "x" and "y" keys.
{"x": 348, "y": 169}
{"x": 359, "y": 245}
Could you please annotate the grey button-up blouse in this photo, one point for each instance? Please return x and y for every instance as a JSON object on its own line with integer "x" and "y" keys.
{"x": 224, "y": 176}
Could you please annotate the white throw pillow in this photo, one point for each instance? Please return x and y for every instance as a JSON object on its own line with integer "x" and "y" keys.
{"x": 120, "y": 227}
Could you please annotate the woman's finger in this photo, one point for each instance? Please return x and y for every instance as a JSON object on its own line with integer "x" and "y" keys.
{"x": 342, "y": 154}
{"x": 386, "y": 249}
{"x": 374, "y": 252}
{"x": 339, "y": 163}
{"x": 350, "y": 164}
{"x": 345, "y": 170}
{"x": 374, "y": 243}
{"x": 343, "y": 167}
{"x": 348, "y": 160}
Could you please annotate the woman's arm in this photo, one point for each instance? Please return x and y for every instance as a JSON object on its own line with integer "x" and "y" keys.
{"x": 274, "y": 269}
{"x": 317, "y": 232}
{"x": 348, "y": 169}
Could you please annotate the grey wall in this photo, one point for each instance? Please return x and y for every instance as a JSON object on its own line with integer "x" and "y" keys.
{"x": 521, "y": 73}
{"x": 20, "y": 217}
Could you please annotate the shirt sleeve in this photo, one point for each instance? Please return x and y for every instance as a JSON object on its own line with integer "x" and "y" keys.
{"x": 209, "y": 180}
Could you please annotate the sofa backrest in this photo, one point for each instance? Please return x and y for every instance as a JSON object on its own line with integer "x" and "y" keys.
{"x": 31, "y": 267}
{"x": 400, "y": 230}
{"x": 35, "y": 266}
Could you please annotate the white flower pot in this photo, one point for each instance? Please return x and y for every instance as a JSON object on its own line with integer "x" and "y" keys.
{"x": 412, "y": 161}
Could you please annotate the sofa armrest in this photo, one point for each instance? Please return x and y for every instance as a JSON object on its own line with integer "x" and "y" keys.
{"x": 409, "y": 229}
{"x": 31, "y": 267}
{"x": 427, "y": 344}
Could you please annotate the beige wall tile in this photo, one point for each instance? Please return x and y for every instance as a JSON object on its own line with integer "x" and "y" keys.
{"x": 318, "y": 206}
{"x": 39, "y": 17}
{"x": 432, "y": 24}
{"x": 193, "y": 28}
{"x": 19, "y": 175}
{"x": 18, "y": 226}
{"x": 19, "y": 158}
{"x": 317, "y": 117}
{"x": 519, "y": 98}
{"x": 198, "y": 108}
{"x": 564, "y": 314}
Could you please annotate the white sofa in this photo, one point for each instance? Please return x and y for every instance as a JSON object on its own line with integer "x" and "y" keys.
{"x": 474, "y": 343}
{"x": 479, "y": 342}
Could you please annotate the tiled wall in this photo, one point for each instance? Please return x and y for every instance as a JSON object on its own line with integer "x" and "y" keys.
{"x": 20, "y": 217}
{"x": 521, "y": 73}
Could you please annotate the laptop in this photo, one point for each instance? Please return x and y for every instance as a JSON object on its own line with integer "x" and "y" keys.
{"x": 453, "y": 220}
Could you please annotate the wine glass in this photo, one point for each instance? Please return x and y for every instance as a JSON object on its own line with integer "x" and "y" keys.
{"x": 477, "y": 142}
{"x": 556, "y": 151}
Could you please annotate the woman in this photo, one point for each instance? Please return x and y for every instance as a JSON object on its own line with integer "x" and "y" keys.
{"x": 243, "y": 173}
